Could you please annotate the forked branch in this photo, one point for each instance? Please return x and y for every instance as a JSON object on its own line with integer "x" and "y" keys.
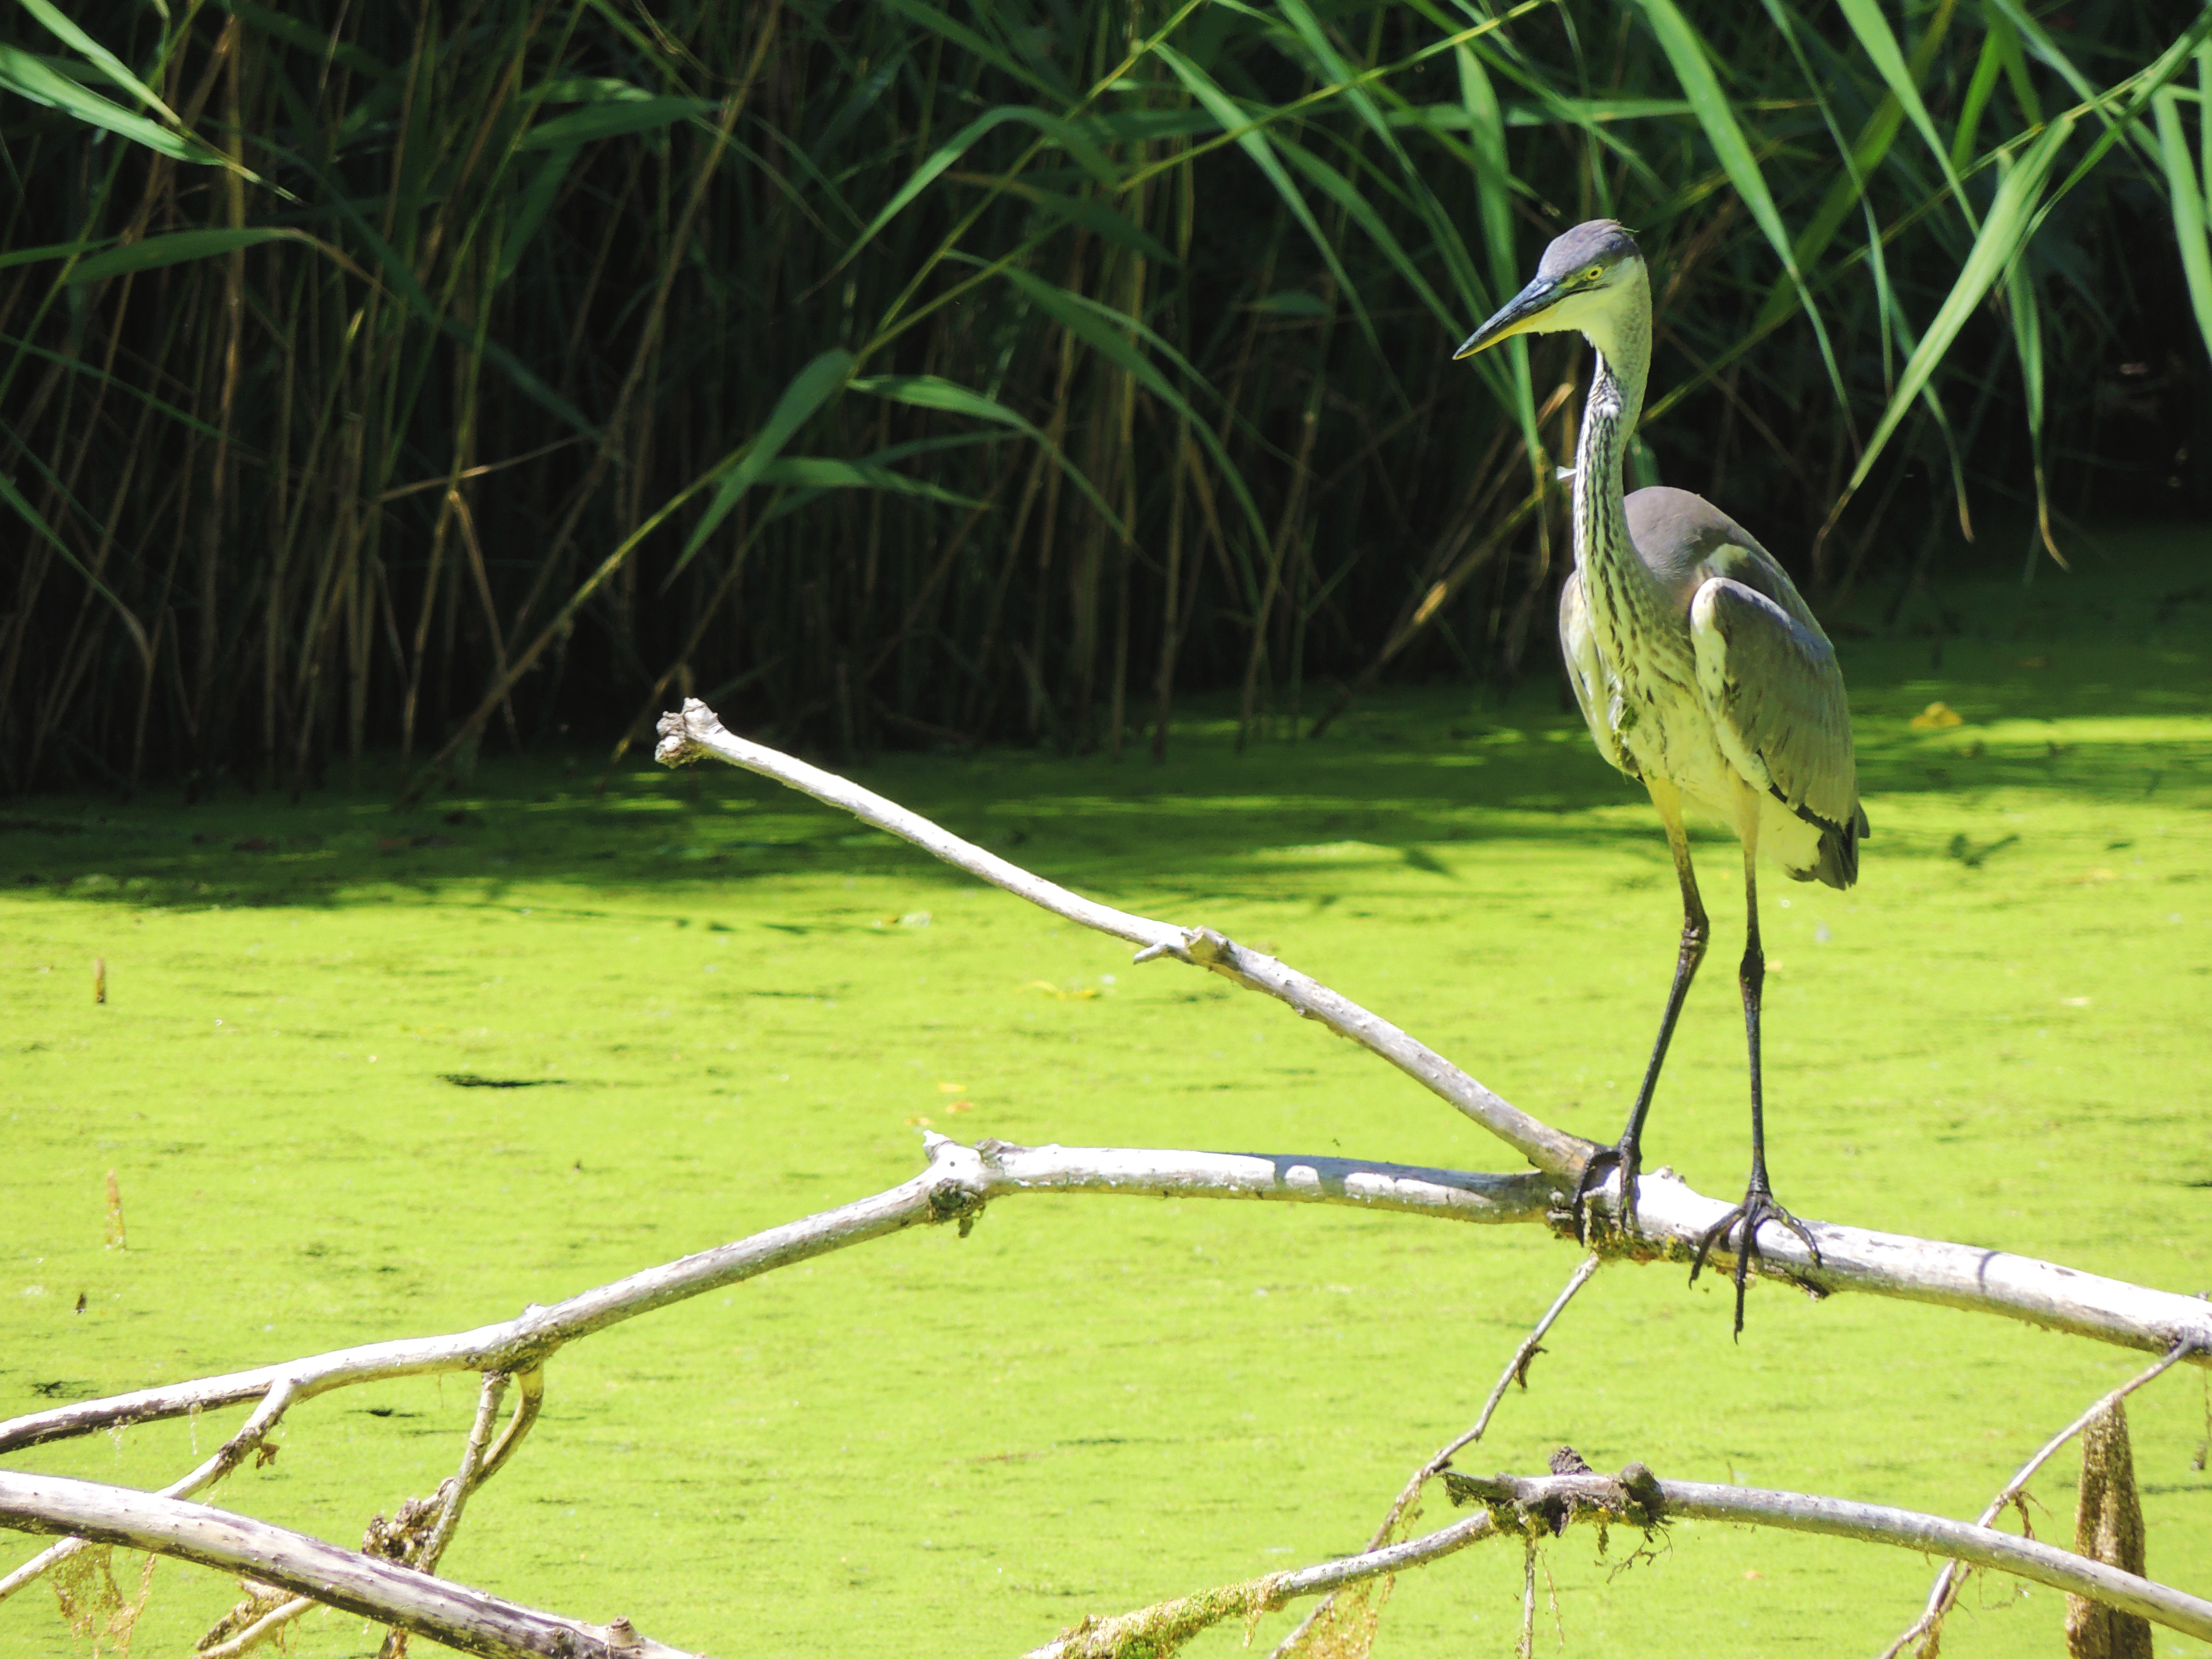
{"x": 1671, "y": 1217}
{"x": 1636, "y": 1498}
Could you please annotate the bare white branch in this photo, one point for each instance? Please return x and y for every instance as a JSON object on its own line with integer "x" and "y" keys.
{"x": 697, "y": 731}
{"x": 266, "y": 1628}
{"x": 1671, "y": 1216}
{"x": 1945, "y": 1591}
{"x": 1636, "y": 1498}
{"x": 1516, "y": 1367}
{"x": 951, "y": 1185}
{"x": 1283, "y": 1177}
{"x": 250, "y": 1435}
{"x": 1166, "y": 1625}
{"x": 960, "y": 1180}
{"x": 361, "y": 1584}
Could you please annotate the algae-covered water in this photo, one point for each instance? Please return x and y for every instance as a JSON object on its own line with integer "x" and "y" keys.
{"x": 731, "y": 1007}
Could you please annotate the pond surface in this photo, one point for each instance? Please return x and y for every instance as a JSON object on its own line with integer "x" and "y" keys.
{"x": 712, "y": 1006}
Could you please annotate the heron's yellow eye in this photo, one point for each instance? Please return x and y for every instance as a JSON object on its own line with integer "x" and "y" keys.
{"x": 1593, "y": 273}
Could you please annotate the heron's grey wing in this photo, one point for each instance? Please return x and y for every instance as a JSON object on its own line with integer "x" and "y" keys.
{"x": 1776, "y": 696}
{"x": 1586, "y": 673}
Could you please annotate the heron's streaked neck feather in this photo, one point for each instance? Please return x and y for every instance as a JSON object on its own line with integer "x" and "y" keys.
{"x": 1603, "y": 552}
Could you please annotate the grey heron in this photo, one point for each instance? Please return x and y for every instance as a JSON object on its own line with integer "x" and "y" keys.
{"x": 1700, "y": 671}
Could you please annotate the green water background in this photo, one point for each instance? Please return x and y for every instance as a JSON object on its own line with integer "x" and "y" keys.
{"x": 735, "y": 1006}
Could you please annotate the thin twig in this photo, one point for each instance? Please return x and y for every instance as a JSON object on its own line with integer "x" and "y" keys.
{"x": 1517, "y": 1368}
{"x": 270, "y": 1623}
{"x": 697, "y": 731}
{"x": 1943, "y": 1595}
{"x": 958, "y": 1183}
{"x": 454, "y": 1493}
{"x": 468, "y": 1477}
{"x": 251, "y": 1434}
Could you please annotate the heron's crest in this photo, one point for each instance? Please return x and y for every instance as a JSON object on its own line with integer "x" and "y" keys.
{"x": 1596, "y": 242}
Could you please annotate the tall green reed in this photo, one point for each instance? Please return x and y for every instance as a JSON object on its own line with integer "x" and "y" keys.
{"x": 444, "y": 373}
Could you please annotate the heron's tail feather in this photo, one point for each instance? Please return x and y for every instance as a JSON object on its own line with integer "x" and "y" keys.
{"x": 1838, "y": 865}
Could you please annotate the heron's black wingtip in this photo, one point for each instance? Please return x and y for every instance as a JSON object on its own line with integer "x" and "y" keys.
{"x": 1838, "y": 863}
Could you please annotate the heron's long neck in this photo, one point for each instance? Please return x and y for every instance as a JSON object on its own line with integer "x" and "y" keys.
{"x": 1603, "y": 552}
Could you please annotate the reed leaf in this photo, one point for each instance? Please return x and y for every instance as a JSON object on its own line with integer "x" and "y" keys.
{"x": 2003, "y": 231}
{"x": 811, "y": 387}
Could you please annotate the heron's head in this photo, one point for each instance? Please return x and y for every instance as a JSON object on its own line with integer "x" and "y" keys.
{"x": 1589, "y": 282}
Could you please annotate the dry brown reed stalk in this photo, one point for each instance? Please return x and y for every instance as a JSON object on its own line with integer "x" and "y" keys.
{"x": 406, "y": 250}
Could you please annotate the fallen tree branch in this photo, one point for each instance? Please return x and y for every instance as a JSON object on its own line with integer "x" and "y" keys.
{"x": 1636, "y": 1498}
{"x": 960, "y": 1180}
{"x": 250, "y": 1437}
{"x": 1944, "y": 1593}
{"x": 1161, "y": 1628}
{"x": 955, "y": 1187}
{"x": 361, "y": 1584}
{"x": 1517, "y": 1370}
{"x": 1671, "y": 1217}
{"x": 697, "y": 731}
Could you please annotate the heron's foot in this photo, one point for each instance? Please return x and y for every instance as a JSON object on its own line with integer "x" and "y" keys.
{"x": 1758, "y": 1208}
{"x": 1628, "y": 1158}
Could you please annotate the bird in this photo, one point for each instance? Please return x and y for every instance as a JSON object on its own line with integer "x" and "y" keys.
{"x": 1701, "y": 672}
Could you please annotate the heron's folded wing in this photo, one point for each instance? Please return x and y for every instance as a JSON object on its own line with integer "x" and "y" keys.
{"x": 1776, "y": 699}
{"x": 1586, "y": 672}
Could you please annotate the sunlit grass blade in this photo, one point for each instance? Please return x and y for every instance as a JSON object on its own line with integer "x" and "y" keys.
{"x": 1260, "y": 149}
{"x": 1442, "y": 231}
{"x": 612, "y": 119}
{"x": 2026, "y": 309}
{"x": 824, "y": 472}
{"x": 2186, "y": 192}
{"x": 530, "y": 210}
{"x": 180, "y": 246}
{"x": 1065, "y": 134}
{"x": 1493, "y": 183}
{"x": 1686, "y": 51}
{"x": 813, "y": 386}
{"x": 2003, "y": 230}
{"x": 31, "y": 516}
{"x": 1096, "y": 216}
{"x": 933, "y": 392}
{"x": 1881, "y": 50}
{"x": 30, "y": 76}
{"x": 64, "y": 28}
{"x": 1107, "y": 332}
{"x": 32, "y": 256}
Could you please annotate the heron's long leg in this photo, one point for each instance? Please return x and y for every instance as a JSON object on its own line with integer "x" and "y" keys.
{"x": 1696, "y": 931}
{"x": 1758, "y": 1205}
{"x": 1751, "y": 979}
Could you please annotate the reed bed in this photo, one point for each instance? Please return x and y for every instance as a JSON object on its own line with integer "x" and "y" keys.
{"x": 420, "y": 375}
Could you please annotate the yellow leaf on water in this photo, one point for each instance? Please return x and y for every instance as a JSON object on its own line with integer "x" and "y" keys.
{"x": 1052, "y": 990}
{"x": 917, "y": 1122}
{"x": 2098, "y": 876}
{"x": 1938, "y": 716}
{"x": 952, "y": 1088}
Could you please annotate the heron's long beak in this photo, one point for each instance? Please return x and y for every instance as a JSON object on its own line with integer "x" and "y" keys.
{"x": 1518, "y": 315}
